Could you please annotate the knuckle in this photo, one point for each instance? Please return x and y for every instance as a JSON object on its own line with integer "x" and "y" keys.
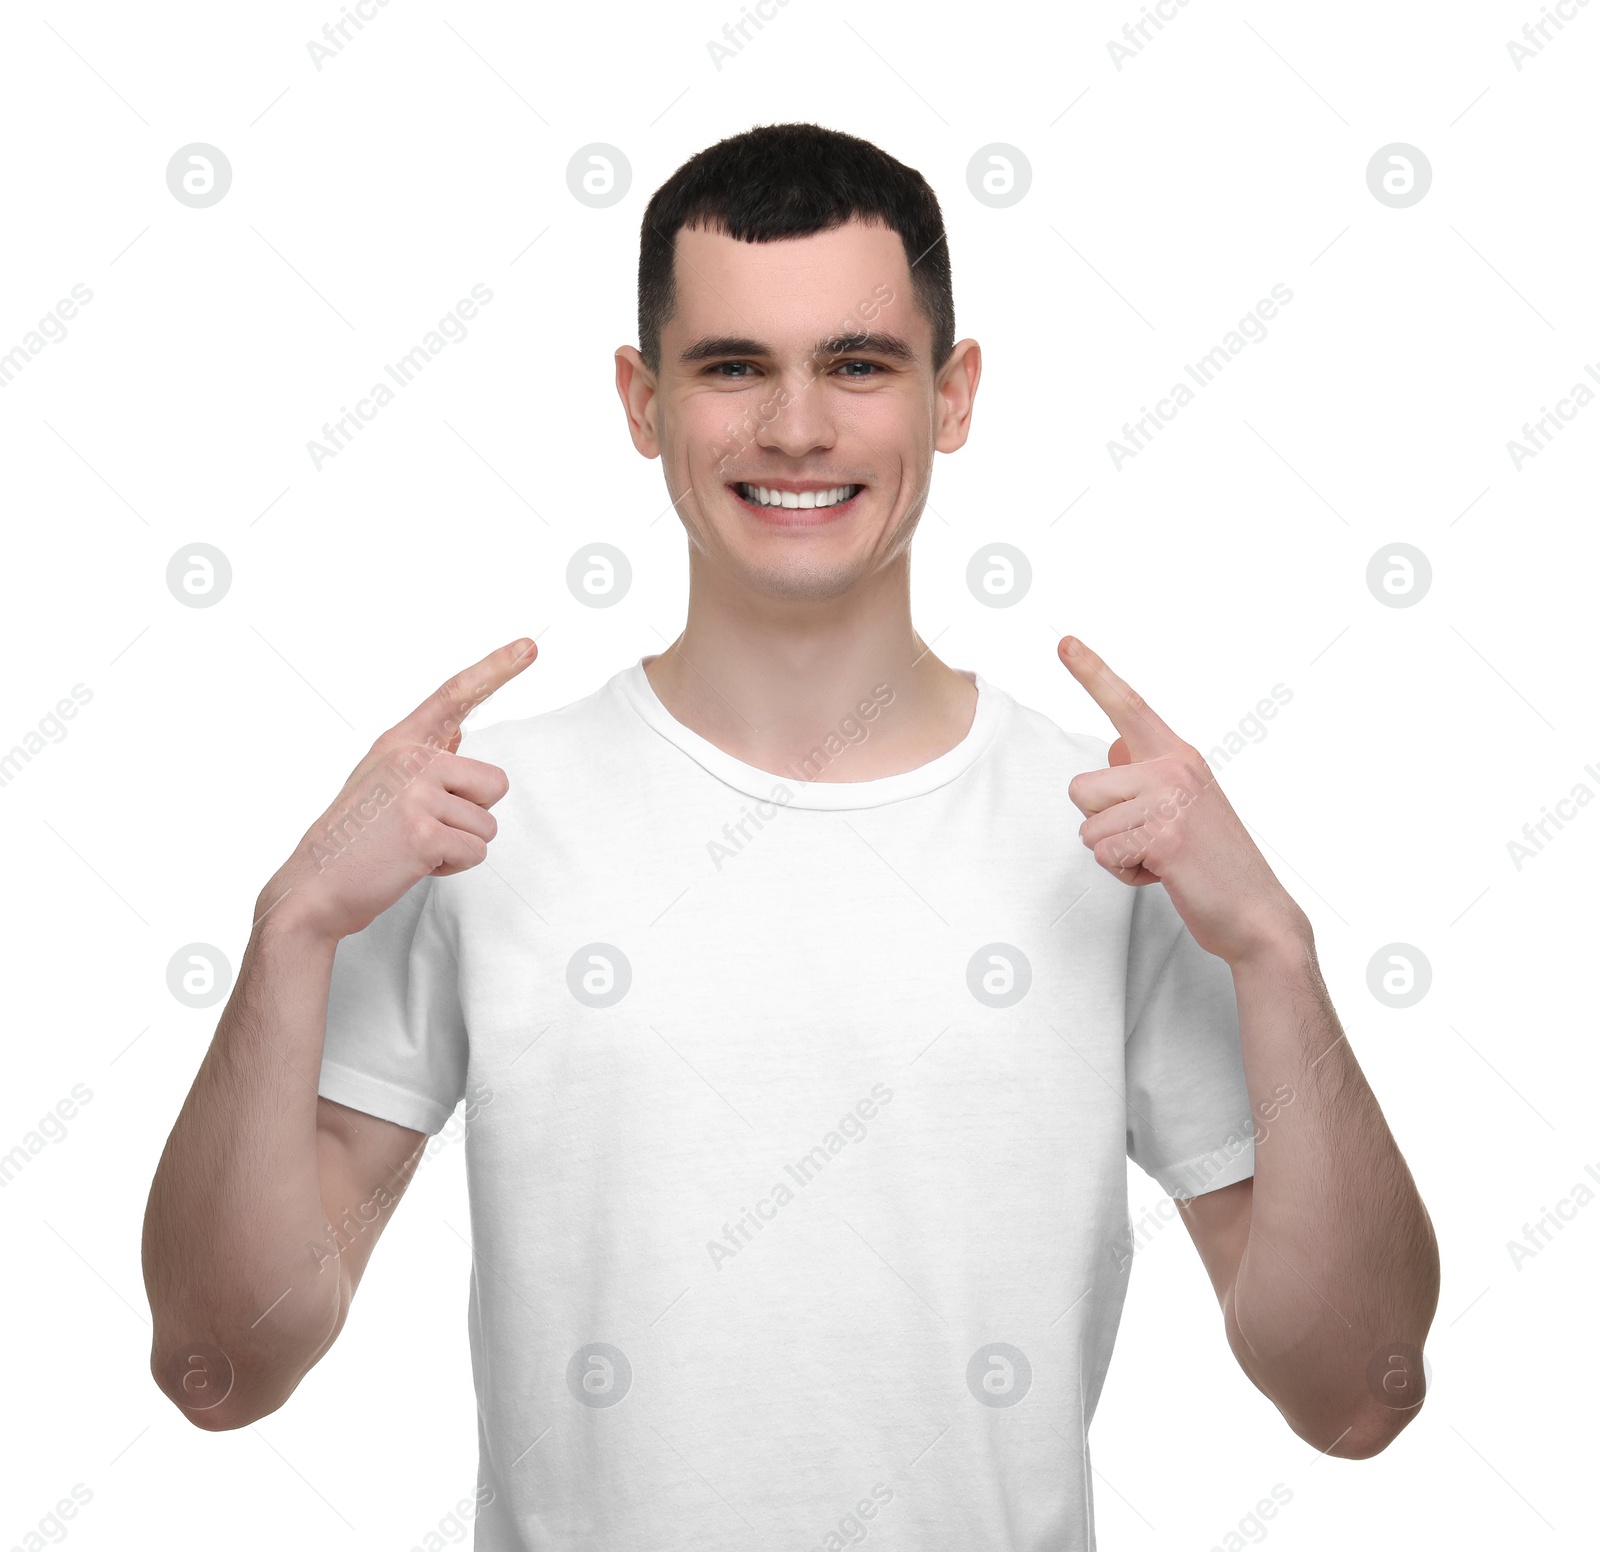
{"x": 452, "y": 696}
{"x": 410, "y": 758}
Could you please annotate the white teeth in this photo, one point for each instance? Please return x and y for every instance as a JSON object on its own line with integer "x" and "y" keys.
{"x": 761, "y": 496}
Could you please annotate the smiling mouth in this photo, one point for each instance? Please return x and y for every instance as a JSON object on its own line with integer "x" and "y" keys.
{"x": 793, "y": 500}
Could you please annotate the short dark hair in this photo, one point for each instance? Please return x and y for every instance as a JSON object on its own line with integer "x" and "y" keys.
{"x": 792, "y": 180}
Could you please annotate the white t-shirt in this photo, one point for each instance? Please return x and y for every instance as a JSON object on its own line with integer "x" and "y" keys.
{"x": 800, "y": 1112}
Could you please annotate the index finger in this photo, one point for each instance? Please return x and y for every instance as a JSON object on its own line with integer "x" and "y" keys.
{"x": 1131, "y": 714}
{"x": 438, "y": 719}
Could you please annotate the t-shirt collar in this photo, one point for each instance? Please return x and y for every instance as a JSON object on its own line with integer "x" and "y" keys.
{"x": 792, "y": 789}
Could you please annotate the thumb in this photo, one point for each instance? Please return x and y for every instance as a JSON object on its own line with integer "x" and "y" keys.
{"x": 1118, "y": 753}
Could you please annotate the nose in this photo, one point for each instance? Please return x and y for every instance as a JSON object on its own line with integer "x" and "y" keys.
{"x": 794, "y": 417}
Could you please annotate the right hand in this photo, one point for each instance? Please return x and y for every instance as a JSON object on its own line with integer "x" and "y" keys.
{"x": 411, "y": 808}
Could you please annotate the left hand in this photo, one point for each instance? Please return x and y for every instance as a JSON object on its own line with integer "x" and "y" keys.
{"x": 1157, "y": 815}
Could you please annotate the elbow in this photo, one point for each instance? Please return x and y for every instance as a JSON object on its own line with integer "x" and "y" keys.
{"x": 1369, "y": 1433}
{"x": 215, "y": 1390}
{"x": 223, "y": 1373}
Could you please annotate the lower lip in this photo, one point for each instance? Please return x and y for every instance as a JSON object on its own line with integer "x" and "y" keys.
{"x": 798, "y": 517}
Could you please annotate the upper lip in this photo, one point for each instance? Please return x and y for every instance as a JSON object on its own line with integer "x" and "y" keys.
{"x": 797, "y": 485}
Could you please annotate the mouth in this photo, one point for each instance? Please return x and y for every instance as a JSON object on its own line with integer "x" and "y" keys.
{"x": 797, "y": 506}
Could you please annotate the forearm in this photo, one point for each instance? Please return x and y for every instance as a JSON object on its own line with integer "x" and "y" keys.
{"x": 236, "y": 1205}
{"x": 1341, "y": 1268}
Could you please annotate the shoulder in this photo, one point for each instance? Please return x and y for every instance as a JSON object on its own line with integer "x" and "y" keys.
{"x": 563, "y": 736}
{"x": 1037, "y": 740}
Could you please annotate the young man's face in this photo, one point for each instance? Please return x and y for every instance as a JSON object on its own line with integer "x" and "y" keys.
{"x": 744, "y": 401}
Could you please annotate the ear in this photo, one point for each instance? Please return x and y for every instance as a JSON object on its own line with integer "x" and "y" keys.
{"x": 956, "y": 388}
{"x": 636, "y": 387}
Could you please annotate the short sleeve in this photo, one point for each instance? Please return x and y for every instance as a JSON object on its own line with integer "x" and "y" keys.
{"x": 396, "y": 1041}
{"x": 1189, "y": 1121}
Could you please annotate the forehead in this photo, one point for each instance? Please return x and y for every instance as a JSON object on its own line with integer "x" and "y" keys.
{"x": 795, "y": 291}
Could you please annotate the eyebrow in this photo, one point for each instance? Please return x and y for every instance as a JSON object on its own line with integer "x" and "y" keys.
{"x": 719, "y": 345}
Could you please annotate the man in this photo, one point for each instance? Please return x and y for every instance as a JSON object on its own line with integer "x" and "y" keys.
{"x": 803, "y": 1040}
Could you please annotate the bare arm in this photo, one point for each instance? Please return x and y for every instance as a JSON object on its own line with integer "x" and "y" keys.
{"x": 1325, "y": 1264}
{"x": 268, "y": 1199}
{"x": 250, "y": 1261}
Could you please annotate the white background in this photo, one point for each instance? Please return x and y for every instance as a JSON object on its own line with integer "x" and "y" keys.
{"x": 1167, "y": 198}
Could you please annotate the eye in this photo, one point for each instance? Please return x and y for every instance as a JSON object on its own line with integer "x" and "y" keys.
{"x": 872, "y": 366}
{"x": 720, "y": 366}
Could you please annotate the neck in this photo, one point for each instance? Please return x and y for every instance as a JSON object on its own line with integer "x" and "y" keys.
{"x": 780, "y": 682}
